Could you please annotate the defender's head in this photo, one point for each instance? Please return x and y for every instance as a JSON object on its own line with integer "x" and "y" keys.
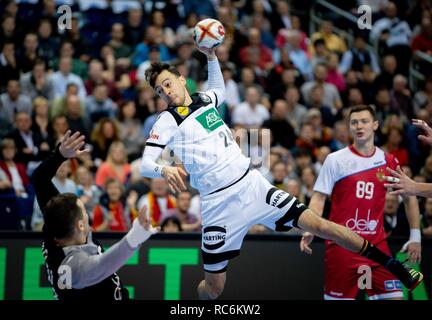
{"x": 66, "y": 219}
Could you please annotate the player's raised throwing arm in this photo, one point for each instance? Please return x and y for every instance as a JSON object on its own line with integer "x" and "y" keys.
{"x": 216, "y": 85}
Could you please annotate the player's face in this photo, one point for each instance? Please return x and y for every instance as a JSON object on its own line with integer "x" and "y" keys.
{"x": 171, "y": 88}
{"x": 362, "y": 126}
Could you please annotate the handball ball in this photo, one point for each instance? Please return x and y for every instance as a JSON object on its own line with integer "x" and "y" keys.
{"x": 209, "y": 33}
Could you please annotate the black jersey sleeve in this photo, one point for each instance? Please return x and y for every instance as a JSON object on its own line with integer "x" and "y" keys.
{"x": 42, "y": 176}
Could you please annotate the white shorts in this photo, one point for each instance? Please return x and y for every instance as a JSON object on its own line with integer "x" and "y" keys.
{"x": 227, "y": 215}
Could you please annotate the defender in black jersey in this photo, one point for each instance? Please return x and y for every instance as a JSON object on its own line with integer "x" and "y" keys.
{"x": 76, "y": 265}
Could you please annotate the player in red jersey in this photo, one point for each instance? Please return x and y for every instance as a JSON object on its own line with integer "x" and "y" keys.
{"x": 353, "y": 178}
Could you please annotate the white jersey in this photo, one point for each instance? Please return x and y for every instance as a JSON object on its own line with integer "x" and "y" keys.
{"x": 200, "y": 139}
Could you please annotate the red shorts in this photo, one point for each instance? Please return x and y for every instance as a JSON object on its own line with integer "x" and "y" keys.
{"x": 346, "y": 273}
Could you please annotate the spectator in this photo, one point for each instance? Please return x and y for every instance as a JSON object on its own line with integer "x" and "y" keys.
{"x": 394, "y": 146}
{"x": 316, "y": 103}
{"x": 359, "y": 56}
{"x": 171, "y": 224}
{"x": 279, "y": 174}
{"x": 158, "y": 201}
{"x": 104, "y": 133}
{"x": 188, "y": 220}
{"x": 59, "y": 104}
{"x": 114, "y": 213}
{"x": 13, "y": 102}
{"x": 79, "y": 67}
{"x": 283, "y": 132}
{"x": 115, "y": 166}
{"x": 87, "y": 190}
{"x": 9, "y": 67}
{"x": 58, "y": 128}
{"x": 395, "y": 34}
{"x": 40, "y": 118}
{"x": 154, "y": 56}
{"x": 264, "y": 60}
{"x": 247, "y": 78}
{"x": 250, "y": 113}
{"x": 75, "y": 118}
{"x": 131, "y": 130}
{"x": 148, "y": 123}
{"x": 16, "y": 174}
{"x": 185, "y": 51}
{"x": 37, "y": 82}
{"x": 96, "y": 77}
{"x": 296, "y": 112}
{"x": 331, "y": 95}
{"x": 423, "y": 41}
{"x": 99, "y": 105}
{"x": 153, "y": 36}
{"x": 29, "y": 52}
{"x": 8, "y": 32}
{"x": 297, "y": 55}
{"x": 390, "y": 213}
{"x": 320, "y": 53}
{"x": 355, "y": 97}
{"x": 322, "y": 132}
{"x": 401, "y": 97}
{"x": 121, "y": 49}
{"x": 157, "y": 20}
{"x": 184, "y": 32}
{"x": 332, "y": 41}
{"x": 308, "y": 177}
{"x": 333, "y": 75}
{"x": 306, "y": 140}
{"x": 281, "y": 19}
{"x": 64, "y": 76}
{"x": 49, "y": 44}
{"x": 385, "y": 78}
{"x": 341, "y": 137}
{"x": 82, "y": 48}
{"x": 62, "y": 181}
{"x": 293, "y": 187}
{"x": 30, "y": 145}
{"x": 296, "y": 25}
{"x": 383, "y": 104}
{"x": 134, "y": 27}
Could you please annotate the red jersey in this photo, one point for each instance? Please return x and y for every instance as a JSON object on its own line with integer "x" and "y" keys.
{"x": 356, "y": 186}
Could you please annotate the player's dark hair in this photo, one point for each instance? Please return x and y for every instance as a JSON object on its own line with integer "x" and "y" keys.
{"x": 61, "y": 214}
{"x": 363, "y": 107}
{"x": 156, "y": 69}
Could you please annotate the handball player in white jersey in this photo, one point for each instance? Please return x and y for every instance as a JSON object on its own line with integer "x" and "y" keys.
{"x": 233, "y": 197}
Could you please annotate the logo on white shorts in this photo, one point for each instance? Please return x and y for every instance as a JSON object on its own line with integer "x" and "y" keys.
{"x": 213, "y": 237}
{"x": 278, "y": 198}
{"x": 390, "y": 285}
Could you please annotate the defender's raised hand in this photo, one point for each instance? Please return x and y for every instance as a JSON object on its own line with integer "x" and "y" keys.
{"x": 70, "y": 145}
{"x": 427, "y": 137}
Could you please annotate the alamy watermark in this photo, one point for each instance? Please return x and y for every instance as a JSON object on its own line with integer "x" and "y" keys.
{"x": 65, "y": 20}
{"x": 365, "y": 20}
{"x": 365, "y": 280}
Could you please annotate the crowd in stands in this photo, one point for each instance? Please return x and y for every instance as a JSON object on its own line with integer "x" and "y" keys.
{"x": 290, "y": 86}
